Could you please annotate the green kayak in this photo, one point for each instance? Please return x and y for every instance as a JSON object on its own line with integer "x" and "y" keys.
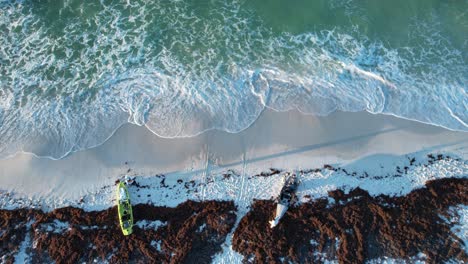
{"x": 125, "y": 209}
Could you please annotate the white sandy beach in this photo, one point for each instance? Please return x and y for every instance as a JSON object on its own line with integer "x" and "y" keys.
{"x": 346, "y": 128}
{"x": 282, "y": 140}
{"x": 194, "y": 168}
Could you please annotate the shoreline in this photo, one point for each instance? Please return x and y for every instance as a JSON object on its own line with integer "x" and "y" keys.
{"x": 288, "y": 140}
{"x": 215, "y": 130}
{"x": 334, "y": 156}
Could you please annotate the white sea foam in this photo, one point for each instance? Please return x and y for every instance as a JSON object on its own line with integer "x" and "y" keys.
{"x": 67, "y": 83}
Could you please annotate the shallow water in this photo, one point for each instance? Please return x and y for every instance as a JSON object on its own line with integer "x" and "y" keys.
{"x": 72, "y": 72}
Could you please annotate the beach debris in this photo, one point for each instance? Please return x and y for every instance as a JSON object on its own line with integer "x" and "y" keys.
{"x": 346, "y": 230}
{"x": 286, "y": 197}
{"x": 129, "y": 180}
{"x": 271, "y": 172}
{"x": 73, "y": 235}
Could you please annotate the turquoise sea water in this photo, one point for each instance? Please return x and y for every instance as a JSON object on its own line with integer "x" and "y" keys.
{"x": 71, "y": 72}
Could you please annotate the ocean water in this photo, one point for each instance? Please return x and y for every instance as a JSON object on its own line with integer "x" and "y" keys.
{"x": 72, "y": 72}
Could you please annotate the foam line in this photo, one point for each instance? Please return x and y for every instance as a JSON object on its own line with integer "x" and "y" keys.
{"x": 68, "y": 83}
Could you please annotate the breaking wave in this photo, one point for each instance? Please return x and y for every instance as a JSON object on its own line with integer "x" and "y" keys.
{"x": 72, "y": 73}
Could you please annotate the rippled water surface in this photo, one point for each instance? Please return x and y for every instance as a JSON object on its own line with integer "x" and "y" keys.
{"x": 71, "y": 72}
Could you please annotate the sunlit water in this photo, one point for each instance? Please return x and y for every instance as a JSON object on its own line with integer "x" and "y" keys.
{"x": 71, "y": 72}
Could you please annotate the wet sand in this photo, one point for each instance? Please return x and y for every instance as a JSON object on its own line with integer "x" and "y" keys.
{"x": 287, "y": 140}
{"x": 209, "y": 198}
